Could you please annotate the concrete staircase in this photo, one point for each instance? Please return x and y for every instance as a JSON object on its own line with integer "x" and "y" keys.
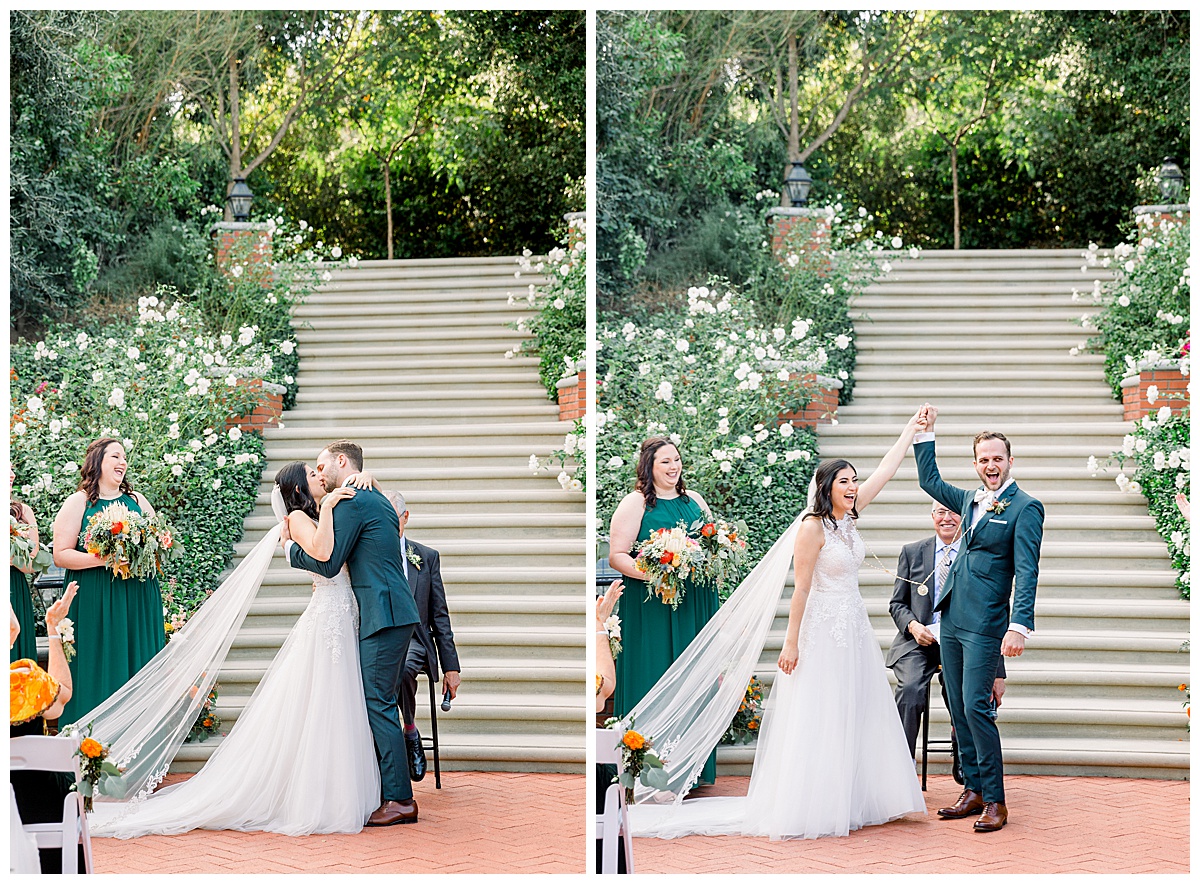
{"x": 407, "y": 359}
{"x": 985, "y": 335}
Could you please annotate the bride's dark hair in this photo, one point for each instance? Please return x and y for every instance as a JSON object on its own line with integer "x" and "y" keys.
{"x": 822, "y": 507}
{"x": 293, "y": 485}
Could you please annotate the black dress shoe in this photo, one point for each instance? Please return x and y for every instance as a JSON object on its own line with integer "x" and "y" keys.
{"x": 956, "y": 762}
{"x": 416, "y": 756}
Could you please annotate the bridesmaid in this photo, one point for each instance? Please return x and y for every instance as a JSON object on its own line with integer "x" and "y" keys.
{"x": 652, "y": 635}
{"x": 18, "y": 584}
{"x": 118, "y": 622}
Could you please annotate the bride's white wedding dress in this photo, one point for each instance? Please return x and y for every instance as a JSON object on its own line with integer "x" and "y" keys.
{"x": 832, "y": 756}
{"x": 300, "y": 758}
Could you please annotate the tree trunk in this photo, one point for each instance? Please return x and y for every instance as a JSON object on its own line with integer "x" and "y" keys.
{"x": 235, "y": 133}
{"x": 954, "y": 186}
{"x": 793, "y": 147}
{"x": 387, "y": 194}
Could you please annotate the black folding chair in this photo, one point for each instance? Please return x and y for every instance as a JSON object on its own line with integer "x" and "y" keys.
{"x": 431, "y": 742}
{"x": 927, "y": 745}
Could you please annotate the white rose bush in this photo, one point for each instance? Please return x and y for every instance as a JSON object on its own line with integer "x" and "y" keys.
{"x": 1145, "y": 323}
{"x": 160, "y": 383}
{"x": 716, "y": 380}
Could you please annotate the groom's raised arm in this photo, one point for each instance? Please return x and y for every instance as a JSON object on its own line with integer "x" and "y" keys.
{"x": 931, "y": 479}
{"x": 347, "y": 525}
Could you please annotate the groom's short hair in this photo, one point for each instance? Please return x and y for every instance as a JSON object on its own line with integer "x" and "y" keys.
{"x": 345, "y": 446}
{"x": 983, "y": 437}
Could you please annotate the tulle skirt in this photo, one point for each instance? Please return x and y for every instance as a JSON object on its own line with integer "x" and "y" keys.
{"x": 831, "y": 757}
{"x": 299, "y": 760}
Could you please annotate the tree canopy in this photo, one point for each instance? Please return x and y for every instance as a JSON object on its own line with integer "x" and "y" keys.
{"x": 405, "y": 132}
{"x": 1011, "y": 128}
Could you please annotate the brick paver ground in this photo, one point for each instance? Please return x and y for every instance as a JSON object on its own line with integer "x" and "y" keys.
{"x": 1057, "y": 824}
{"x": 477, "y": 822}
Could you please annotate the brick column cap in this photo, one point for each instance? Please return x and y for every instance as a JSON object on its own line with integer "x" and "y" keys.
{"x": 1132, "y": 380}
{"x": 238, "y": 225}
{"x": 247, "y": 375}
{"x": 1169, "y": 209}
{"x": 800, "y": 212}
{"x": 573, "y": 216}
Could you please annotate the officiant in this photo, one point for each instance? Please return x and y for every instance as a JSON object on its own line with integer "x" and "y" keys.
{"x": 433, "y": 642}
{"x": 915, "y": 654}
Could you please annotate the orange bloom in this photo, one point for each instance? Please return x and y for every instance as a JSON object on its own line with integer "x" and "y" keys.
{"x": 709, "y": 530}
{"x": 208, "y": 722}
{"x": 633, "y": 740}
{"x": 91, "y": 748}
{"x": 118, "y": 528}
{"x": 1183, "y": 687}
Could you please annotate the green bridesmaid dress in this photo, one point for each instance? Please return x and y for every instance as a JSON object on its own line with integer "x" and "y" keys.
{"x": 22, "y": 605}
{"x": 652, "y": 635}
{"x": 118, "y": 627}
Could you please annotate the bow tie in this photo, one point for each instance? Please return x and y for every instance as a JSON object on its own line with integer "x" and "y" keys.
{"x": 987, "y": 498}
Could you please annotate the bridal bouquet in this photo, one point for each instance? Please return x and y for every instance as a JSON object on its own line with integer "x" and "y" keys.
{"x": 207, "y": 722}
{"x": 667, "y": 558}
{"x": 724, "y": 549}
{"x": 639, "y": 761}
{"x": 94, "y": 767}
{"x": 20, "y": 547}
{"x": 130, "y": 544}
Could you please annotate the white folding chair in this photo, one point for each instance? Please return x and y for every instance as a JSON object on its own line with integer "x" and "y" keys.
{"x": 612, "y": 825}
{"x": 56, "y": 754}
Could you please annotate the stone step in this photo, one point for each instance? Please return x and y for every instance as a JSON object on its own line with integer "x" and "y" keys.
{"x": 400, "y": 477}
{"x": 399, "y": 337}
{"x": 1026, "y": 342}
{"x": 1166, "y": 617}
{"x": 430, "y": 502}
{"x": 357, "y": 416}
{"x": 518, "y": 751}
{"x": 999, "y": 311}
{"x": 482, "y": 525}
{"x": 458, "y": 572}
{"x": 1072, "y": 373}
{"x": 428, "y": 389}
{"x": 1044, "y": 756}
{"x": 964, "y": 426}
{"x": 384, "y": 307}
{"x": 429, "y": 432}
{"x": 353, "y": 369}
{"x": 385, "y": 350}
{"x": 551, "y": 550}
{"x": 467, "y": 609}
{"x": 984, "y": 408}
{"x": 870, "y": 360}
{"x": 955, "y": 390}
{"x": 422, "y": 453}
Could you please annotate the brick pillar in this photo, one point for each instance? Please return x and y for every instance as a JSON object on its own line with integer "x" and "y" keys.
{"x": 572, "y": 396}
{"x": 1171, "y": 388}
{"x": 266, "y": 413}
{"x": 800, "y": 232}
{"x": 245, "y": 244}
{"x": 576, "y": 232}
{"x": 822, "y": 408}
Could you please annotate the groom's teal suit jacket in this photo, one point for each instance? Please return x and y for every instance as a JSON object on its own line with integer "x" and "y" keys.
{"x": 366, "y": 538}
{"x": 1001, "y": 555}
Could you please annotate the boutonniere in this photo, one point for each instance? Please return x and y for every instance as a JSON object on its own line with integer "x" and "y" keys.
{"x": 998, "y": 507}
{"x": 414, "y": 558}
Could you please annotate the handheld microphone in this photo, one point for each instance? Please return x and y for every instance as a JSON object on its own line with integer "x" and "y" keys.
{"x": 446, "y": 701}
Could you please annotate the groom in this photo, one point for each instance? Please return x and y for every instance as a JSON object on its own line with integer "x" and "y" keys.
{"x": 1002, "y": 539}
{"x": 366, "y": 538}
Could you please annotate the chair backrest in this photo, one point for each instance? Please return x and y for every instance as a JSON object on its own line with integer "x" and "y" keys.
{"x": 608, "y": 746}
{"x": 34, "y": 752}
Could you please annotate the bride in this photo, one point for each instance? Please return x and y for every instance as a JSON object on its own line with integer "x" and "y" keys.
{"x": 300, "y": 758}
{"x": 832, "y": 756}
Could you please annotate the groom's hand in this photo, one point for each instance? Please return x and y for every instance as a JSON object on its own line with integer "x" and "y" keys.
{"x": 998, "y": 691}
{"x": 931, "y": 414}
{"x": 284, "y": 534}
{"x": 1013, "y": 644}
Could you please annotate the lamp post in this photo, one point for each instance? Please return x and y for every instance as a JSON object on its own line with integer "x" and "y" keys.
{"x": 1170, "y": 180}
{"x": 798, "y": 183}
{"x": 239, "y": 200}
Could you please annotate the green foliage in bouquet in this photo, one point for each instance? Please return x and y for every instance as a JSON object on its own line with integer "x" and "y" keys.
{"x": 748, "y": 719}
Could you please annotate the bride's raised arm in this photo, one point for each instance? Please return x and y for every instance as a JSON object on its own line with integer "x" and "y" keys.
{"x": 874, "y": 483}
{"x": 317, "y": 539}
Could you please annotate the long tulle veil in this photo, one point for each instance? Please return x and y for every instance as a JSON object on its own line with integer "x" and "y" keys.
{"x": 145, "y": 722}
{"x": 690, "y": 707}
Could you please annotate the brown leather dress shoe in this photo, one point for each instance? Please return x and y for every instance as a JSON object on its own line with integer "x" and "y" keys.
{"x": 392, "y": 813}
{"x": 969, "y": 804}
{"x": 995, "y": 817}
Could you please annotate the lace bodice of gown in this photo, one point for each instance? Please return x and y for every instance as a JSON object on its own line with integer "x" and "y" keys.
{"x": 834, "y": 603}
{"x": 334, "y": 599}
